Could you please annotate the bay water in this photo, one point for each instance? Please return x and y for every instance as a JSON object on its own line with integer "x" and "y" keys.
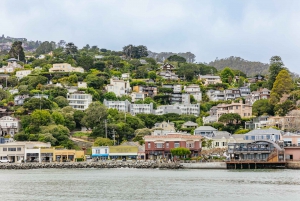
{"x": 149, "y": 184}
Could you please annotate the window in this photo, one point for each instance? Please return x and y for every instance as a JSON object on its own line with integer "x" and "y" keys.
{"x": 4, "y": 149}
{"x": 217, "y": 144}
{"x": 176, "y": 144}
{"x": 12, "y": 149}
{"x": 19, "y": 149}
{"x": 167, "y": 144}
{"x": 237, "y": 107}
{"x": 106, "y": 151}
{"x": 149, "y": 145}
{"x": 159, "y": 145}
{"x": 223, "y": 144}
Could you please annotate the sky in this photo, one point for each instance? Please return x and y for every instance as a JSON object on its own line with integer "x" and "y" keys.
{"x": 255, "y": 30}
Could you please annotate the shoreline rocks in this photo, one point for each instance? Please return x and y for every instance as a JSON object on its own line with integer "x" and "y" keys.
{"x": 100, "y": 164}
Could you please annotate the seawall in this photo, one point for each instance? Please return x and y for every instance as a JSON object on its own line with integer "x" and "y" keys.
{"x": 293, "y": 165}
{"x": 110, "y": 164}
{"x": 208, "y": 165}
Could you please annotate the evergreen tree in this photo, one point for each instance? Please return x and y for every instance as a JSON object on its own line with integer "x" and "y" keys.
{"x": 17, "y": 51}
{"x": 276, "y": 65}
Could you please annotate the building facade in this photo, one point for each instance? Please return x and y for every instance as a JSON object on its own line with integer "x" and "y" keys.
{"x": 79, "y": 101}
{"x": 65, "y": 67}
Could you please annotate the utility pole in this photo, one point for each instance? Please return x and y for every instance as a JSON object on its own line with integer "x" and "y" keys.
{"x": 105, "y": 121}
{"x": 114, "y": 136}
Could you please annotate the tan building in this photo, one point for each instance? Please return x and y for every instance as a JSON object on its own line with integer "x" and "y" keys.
{"x": 65, "y": 67}
{"x": 244, "y": 110}
{"x": 163, "y": 128}
{"x": 290, "y": 122}
{"x": 210, "y": 79}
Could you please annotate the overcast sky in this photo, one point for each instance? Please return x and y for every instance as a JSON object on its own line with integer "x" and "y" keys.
{"x": 253, "y": 30}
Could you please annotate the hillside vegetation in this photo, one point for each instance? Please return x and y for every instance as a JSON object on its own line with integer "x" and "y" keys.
{"x": 251, "y": 68}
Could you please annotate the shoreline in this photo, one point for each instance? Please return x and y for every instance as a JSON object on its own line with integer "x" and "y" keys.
{"x": 122, "y": 164}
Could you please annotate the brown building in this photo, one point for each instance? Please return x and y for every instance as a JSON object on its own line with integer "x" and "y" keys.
{"x": 159, "y": 147}
{"x": 244, "y": 110}
{"x": 150, "y": 91}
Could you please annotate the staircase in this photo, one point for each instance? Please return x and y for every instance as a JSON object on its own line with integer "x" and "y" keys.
{"x": 273, "y": 157}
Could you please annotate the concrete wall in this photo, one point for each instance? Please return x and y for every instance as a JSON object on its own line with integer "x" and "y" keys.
{"x": 293, "y": 165}
{"x": 210, "y": 165}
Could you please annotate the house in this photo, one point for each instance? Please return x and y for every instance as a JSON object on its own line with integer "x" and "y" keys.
{"x": 205, "y": 131}
{"x": 244, "y": 110}
{"x": 141, "y": 109}
{"x": 220, "y": 139}
{"x": 79, "y": 100}
{"x": 39, "y": 96}
{"x": 19, "y": 99}
{"x": 137, "y": 96}
{"x": 232, "y": 94}
{"x": 256, "y": 150}
{"x": 163, "y": 128}
{"x": 215, "y": 95}
{"x": 194, "y": 90}
{"x": 16, "y": 151}
{"x": 143, "y": 61}
{"x": 122, "y": 106}
{"x": 168, "y": 67}
{"x": 189, "y": 124}
{"x": 5, "y": 112}
{"x": 212, "y": 116}
{"x": 11, "y": 66}
{"x": 123, "y": 152}
{"x": 159, "y": 146}
{"x": 210, "y": 79}
{"x": 13, "y": 91}
{"x": 245, "y": 91}
{"x": 167, "y": 72}
{"x": 291, "y": 146}
{"x": 100, "y": 152}
{"x": 9, "y": 126}
{"x": 125, "y": 76}
{"x": 180, "y": 98}
{"x": 264, "y": 134}
{"x": 65, "y": 67}
{"x": 82, "y": 85}
{"x": 182, "y": 109}
{"x": 22, "y": 73}
{"x": 150, "y": 91}
{"x": 262, "y": 93}
{"x": 119, "y": 87}
{"x": 257, "y": 122}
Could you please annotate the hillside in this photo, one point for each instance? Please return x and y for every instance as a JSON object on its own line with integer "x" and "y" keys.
{"x": 249, "y": 67}
{"x": 161, "y": 57}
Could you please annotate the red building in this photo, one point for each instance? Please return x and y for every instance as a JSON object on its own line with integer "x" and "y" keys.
{"x": 159, "y": 146}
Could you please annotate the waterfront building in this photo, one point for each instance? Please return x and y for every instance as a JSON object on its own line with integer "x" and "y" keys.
{"x": 159, "y": 146}
{"x": 123, "y": 152}
{"x": 292, "y": 146}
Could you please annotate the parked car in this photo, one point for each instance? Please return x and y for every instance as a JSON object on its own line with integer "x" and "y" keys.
{"x": 5, "y": 161}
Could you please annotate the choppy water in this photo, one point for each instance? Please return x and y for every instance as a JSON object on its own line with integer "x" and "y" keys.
{"x": 149, "y": 184}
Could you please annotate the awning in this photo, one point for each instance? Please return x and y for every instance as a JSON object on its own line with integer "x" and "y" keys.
{"x": 99, "y": 155}
{"x": 123, "y": 154}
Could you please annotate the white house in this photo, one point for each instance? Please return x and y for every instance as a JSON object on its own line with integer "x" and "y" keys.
{"x": 141, "y": 109}
{"x": 82, "y": 85}
{"x": 19, "y": 99}
{"x": 123, "y": 106}
{"x": 119, "y": 87}
{"x": 11, "y": 66}
{"x": 9, "y": 126}
{"x": 65, "y": 67}
{"x": 79, "y": 101}
{"x": 100, "y": 152}
{"x": 135, "y": 96}
{"x": 22, "y": 73}
{"x": 194, "y": 90}
{"x": 182, "y": 109}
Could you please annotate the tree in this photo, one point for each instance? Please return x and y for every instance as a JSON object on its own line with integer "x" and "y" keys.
{"x": 61, "y": 101}
{"x": 58, "y": 118}
{"x": 110, "y": 96}
{"x": 17, "y": 51}
{"x": 152, "y": 75}
{"x": 86, "y": 62}
{"x": 37, "y": 103}
{"x": 261, "y": 107}
{"x": 284, "y": 108}
{"x": 227, "y": 75}
{"x": 176, "y": 58}
{"x": 45, "y": 47}
{"x": 136, "y": 52}
{"x": 276, "y": 65}
{"x": 95, "y": 81}
{"x": 71, "y": 49}
{"x": 230, "y": 118}
{"x": 94, "y": 115}
{"x": 40, "y": 118}
{"x": 282, "y": 85}
{"x": 100, "y": 141}
{"x": 180, "y": 151}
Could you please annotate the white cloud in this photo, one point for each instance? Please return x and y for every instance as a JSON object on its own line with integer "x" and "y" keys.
{"x": 253, "y": 30}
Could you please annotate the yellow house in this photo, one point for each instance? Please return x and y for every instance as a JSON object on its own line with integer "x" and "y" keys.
{"x": 61, "y": 155}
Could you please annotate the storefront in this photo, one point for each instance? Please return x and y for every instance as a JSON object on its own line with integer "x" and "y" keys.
{"x": 123, "y": 152}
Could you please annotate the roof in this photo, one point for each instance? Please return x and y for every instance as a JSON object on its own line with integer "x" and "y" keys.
{"x": 221, "y": 134}
{"x": 190, "y": 123}
{"x": 263, "y": 131}
{"x": 290, "y": 134}
{"x": 174, "y": 135}
{"x": 205, "y": 128}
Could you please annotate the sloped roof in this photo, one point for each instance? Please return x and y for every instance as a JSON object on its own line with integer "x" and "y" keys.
{"x": 263, "y": 131}
{"x": 205, "y": 128}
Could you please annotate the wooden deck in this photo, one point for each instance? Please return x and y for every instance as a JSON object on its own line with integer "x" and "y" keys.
{"x": 255, "y": 165}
